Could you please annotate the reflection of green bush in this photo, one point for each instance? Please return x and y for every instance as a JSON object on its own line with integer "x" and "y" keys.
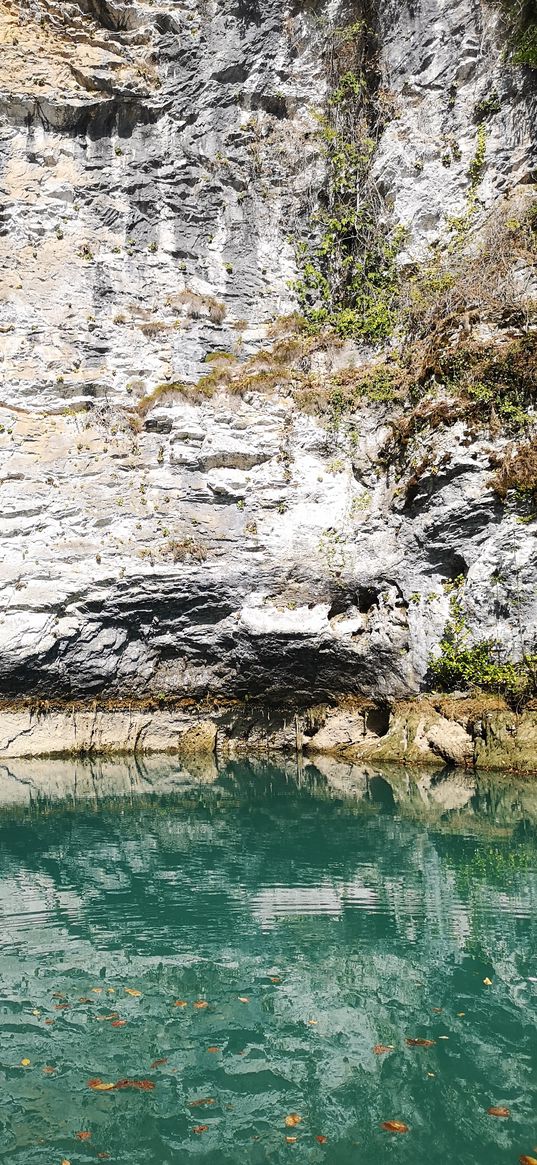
{"x": 496, "y": 865}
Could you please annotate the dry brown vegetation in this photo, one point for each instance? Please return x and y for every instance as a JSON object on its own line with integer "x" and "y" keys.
{"x": 517, "y": 472}
{"x": 195, "y": 305}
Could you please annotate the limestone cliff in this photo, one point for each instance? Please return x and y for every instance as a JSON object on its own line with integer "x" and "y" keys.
{"x": 202, "y": 494}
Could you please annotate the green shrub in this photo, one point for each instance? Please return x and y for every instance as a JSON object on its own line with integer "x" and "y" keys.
{"x": 462, "y": 664}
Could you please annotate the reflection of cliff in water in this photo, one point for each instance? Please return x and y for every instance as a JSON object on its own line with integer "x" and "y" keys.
{"x": 451, "y": 799}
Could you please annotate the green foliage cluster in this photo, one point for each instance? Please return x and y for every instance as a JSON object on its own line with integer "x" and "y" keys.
{"x": 477, "y": 165}
{"x": 348, "y": 273}
{"x": 462, "y": 664}
{"x": 501, "y": 382}
{"x": 346, "y": 391}
{"x": 521, "y": 21}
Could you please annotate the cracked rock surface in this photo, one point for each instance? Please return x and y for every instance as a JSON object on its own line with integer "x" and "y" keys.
{"x": 158, "y": 161}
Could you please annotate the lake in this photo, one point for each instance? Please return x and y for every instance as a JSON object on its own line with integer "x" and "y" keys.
{"x": 266, "y": 963}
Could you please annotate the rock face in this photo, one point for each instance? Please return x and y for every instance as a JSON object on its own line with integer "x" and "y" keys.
{"x": 159, "y": 163}
{"x": 428, "y": 731}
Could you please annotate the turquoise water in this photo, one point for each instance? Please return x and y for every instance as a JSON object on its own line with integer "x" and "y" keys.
{"x": 317, "y": 914}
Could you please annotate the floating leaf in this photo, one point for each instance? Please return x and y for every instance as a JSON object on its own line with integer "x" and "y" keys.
{"x": 213, "y": 1048}
{"x": 50, "y": 1021}
{"x": 199, "y": 1003}
{"x": 292, "y": 1119}
{"x": 61, "y": 1006}
{"x": 322, "y": 1140}
{"x": 438, "y": 1010}
{"x": 243, "y": 999}
{"x": 48, "y": 1070}
{"x": 118, "y": 1023}
{"x": 499, "y": 1110}
{"x": 443, "y": 1037}
{"x": 394, "y": 1127}
{"x": 525, "y": 1160}
{"x": 100, "y": 1085}
{"x": 461, "y": 1013}
{"x": 96, "y": 990}
{"x": 381, "y": 1049}
{"x": 202, "y": 1100}
{"x": 26, "y": 1062}
{"x": 181, "y": 1003}
{"x": 58, "y": 995}
{"x": 313, "y": 1022}
{"x": 83, "y": 1136}
{"x": 431, "y": 1075}
{"x": 112, "y": 1015}
{"x": 291, "y": 1140}
{"x": 85, "y": 999}
{"x": 420, "y": 1043}
{"x": 275, "y": 979}
{"x": 36, "y": 1011}
{"x": 487, "y": 982}
{"x": 159, "y": 1063}
{"x": 65, "y": 1162}
{"x": 103, "y": 1156}
{"x": 200, "y": 1129}
{"x": 132, "y": 991}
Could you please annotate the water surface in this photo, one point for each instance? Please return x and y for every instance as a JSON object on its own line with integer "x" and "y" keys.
{"x": 318, "y": 913}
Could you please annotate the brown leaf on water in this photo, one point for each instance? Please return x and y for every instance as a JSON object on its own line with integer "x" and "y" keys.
{"x": 487, "y": 982}
{"x": 159, "y": 1063}
{"x": 213, "y": 1048}
{"x": 132, "y": 991}
{"x": 48, "y": 1070}
{"x": 200, "y": 1129}
{"x": 322, "y": 1140}
{"x": 381, "y": 1049}
{"x": 61, "y": 1006}
{"x": 313, "y": 1022}
{"x": 36, "y": 1011}
{"x": 58, "y": 995}
{"x": 96, "y": 990}
{"x": 199, "y": 1003}
{"x": 275, "y": 979}
{"x": 85, "y": 999}
{"x": 499, "y": 1110}
{"x": 438, "y": 1010}
{"x": 181, "y": 1003}
{"x": 118, "y": 1023}
{"x": 202, "y": 1100}
{"x": 420, "y": 1043}
{"x": 292, "y": 1119}
{"x": 394, "y": 1127}
{"x": 461, "y": 1013}
{"x": 525, "y": 1160}
{"x": 112, "y": 1015}
{"x": 83, "y": 1136}
{"x": 243, "y": 999}
{"x": 50, "y": 1021}
{"x": 103, "y": 1156}
{"x": 291, "y": 1140}
{"x": 100, "y": 1085}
